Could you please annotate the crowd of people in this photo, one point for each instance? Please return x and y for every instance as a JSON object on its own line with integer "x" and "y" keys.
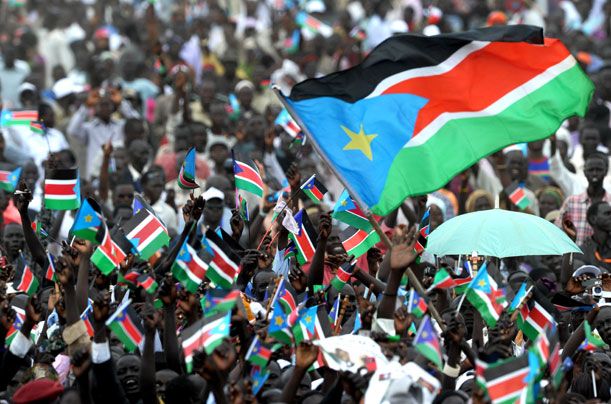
{"x": 124, "y": 90}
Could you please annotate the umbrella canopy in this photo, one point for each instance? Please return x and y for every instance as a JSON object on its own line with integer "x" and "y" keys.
{"x": 499, "y": 233}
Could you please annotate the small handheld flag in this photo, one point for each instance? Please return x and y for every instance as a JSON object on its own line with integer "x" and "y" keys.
{"x": 416, "y": 304}
{"x": 247, "y": 178}
{"x": 423, "y": 232}
{"x": 287, "y": 123}
{"x": 62, "y": 189}
{"x": 50, "y": 272}
{"x": 427, "y": 343}
{"x": 357, "y": 242}
{"x": 219, "y": 301}
{"x": 206, "y": 332}
{"x": 186, "y": 176}
{"x": 189, "y": 269}
{"x": 9, "y": 179}
{"x": 517, "y": 196}
{"x": 108, "y": 255}
{"x": 258, "y": 354}
{"x": 148, "y": 283}
{"x": 38, "y": 127}
{"x": 347, "y": 211}
{"x": 305, "y": 239}
{"x": 225, "y": 263}
{"x": 314, "y": 189}
{"x": 344, "y": 272}
{"x": 88, "y": 220}
{"x": 125, "y": 324}
{"x": 147, "y": 233}
{"x": 25, "y": 280}
{"x": 17, "y": 118}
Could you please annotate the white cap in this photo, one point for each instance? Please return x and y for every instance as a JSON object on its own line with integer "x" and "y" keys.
{"x": 26, "y": 87}
{"x": 213, "y": 193}
{"x": 398, "y": 27}
{"x": 66, "y": 87}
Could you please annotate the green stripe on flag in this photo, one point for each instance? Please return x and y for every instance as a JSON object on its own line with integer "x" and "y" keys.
{"x": 129, "y": 344}
{"x": 520, "y": 122}
{"x": 62, "y": 204}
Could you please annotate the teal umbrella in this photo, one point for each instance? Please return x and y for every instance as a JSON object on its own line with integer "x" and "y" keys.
{"x": 499, "y": 233}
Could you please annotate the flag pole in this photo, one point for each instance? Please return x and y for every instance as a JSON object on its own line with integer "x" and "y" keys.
{"x": 357, "y": 199}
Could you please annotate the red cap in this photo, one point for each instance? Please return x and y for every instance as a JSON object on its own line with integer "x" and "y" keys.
{"x": 496, "y": 18}
{"x": 41, "y": 390}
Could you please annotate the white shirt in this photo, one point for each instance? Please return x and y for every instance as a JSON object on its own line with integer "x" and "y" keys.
{"x": 35, "y": 146}
{"x": 167, "y": 215}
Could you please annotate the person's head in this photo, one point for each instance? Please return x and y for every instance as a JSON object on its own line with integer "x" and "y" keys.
{"x": 219, "y": 152}
{"x": 104, "y": 109}
{"x": 545, "y": 279}
{"x": 30, "y": 175}
{"x": 222, "y": 184}
{"x": 139, "y": 154}
{"x": 3, "y": 200}
{"x": 46, "y": 115}
{"x": 218, "y": 115}
{"x": 603, "y": 323}
{"x": 207, "y": 91}
{"x": 215, "y": 203}
{"x": 550, "y": 198}
{"x": 479, "y": 200}
{"x": 536, "y": 147}
{"x": 128, "y": 372}
{"x": 599, "y": 216}
{"x": 255, "y": 128}
{"x": 9, "y": 55}
{"x": 517, "y": 166}
{"x": 589, "y": 138}
{"x": 13, "y": 239}
{"x": 134, "y": 129}
{"x": 162, "y": 377}
{"x": 182, "y": 138}
{"x": 245, "y": 92}
{"x": 153, "y": 182}
{"x": 436, "y": 217}
{"x": 199, "y": 136}
{"x": 261, "y": 281}
{"x": 596, "y": 168}
{"x": 28, "y": 95}
{"x": 123, "y": 194}
{"x": 181, "y": 390}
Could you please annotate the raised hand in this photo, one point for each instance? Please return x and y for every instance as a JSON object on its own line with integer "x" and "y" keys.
{"x": 402, "y": 320}
{"x": 33, "y": 310}
{"x": 101, "y": 308}
{"x": 237, "y": 224}
{"x": 64, "y": 271}
{"x": 305, "y": 354}
{"x": 298, "y": 279}
{"x": 294, "y": 176}
{"x": 151, "y": 318}
{"x": 22, "y": 197}
{"x": 167, "y": 291}
{"x": 80, "y": 362}
{"x": 324, "y": 226}
{"x": 7, "y": 315}
{"x": 403, "y": 253}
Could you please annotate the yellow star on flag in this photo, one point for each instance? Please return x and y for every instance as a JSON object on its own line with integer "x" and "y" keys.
{"x": 360, "y": 141}
{"x": 481, "y": 283}
{"x": 278, "y": 320}
{"x": 88, "y": 218}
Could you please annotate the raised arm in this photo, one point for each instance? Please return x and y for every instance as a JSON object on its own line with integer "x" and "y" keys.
{"x": 22, "y": 199}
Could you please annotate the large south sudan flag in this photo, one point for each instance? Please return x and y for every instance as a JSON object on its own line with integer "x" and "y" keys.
{"x": 418, "y": 110}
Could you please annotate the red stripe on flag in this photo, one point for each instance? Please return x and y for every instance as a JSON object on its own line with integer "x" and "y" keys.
{"x": 507, "y": 385}
{"x": 249, "y": 173}
{"x": 224, "y": 266}
{"x": 148, "y": 229}
{"x": 304, "y": 243}
{"x": 60, "y": 189}
{"x": 196, "y": 269}
{"x": 26, "y": 279}
{"x": 4, "y": 176}
{"x": 539, "y": 317}
{"x": 355, "y": 239}
{"x": 316, "y": 192}
{"x": 131, "y": 330}
{"x": 514, "y": 62}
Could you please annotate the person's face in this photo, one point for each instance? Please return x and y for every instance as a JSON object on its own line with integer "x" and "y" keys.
{"x": 104, "y": 109}
{"x": 13, "y": 239}
{"x": 181, "y": 141}
{"x": 260, "y": 283}
{"x": 123, "y": 195}
{"x": 206, "y": 93}
{"x": 536, "y": 146}
{"x": 120, "y": 156}
{"x": 128, "y": 372}
{"x": 595, "y": 171}
{"x": 162, "y": 378}
{"x": 245, "y": 96}
{"x": 602, "y": 219}
{"x": 219, "y": 153}
{"x": 516, "y": 166}
{"x": 140, "y": 155}
{"x": 603, "y": 324}
{"x": 255, "y": 128}
{"x": 3, "y": 201}
{"x": 154, "y": 188}
{"x": 200, "y": 138}
{"x": 436, "y": 217}
{"x": 218, "y": 115}
{"x": 547, "y": 203}
{"x": 482, "y": 203}
{"x": 213, "y": 211}
{"x": 589, "y": 139}
{"x": 30, "y": 176}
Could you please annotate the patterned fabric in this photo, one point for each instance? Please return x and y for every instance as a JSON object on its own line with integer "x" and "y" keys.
{"x": 575, "y": 207}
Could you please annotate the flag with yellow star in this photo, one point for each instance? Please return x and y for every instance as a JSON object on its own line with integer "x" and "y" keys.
{"x": 419, "y": 110}
{"x": 88, "y": 220}
{"x": 427, "y": 342}
{"x": 485, "y": 296}
{"x": 347, "y": 211}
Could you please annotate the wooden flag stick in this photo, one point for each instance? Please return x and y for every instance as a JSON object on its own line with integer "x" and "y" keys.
{"x": 271, "y": 298}
{"x": 340, "y": 316}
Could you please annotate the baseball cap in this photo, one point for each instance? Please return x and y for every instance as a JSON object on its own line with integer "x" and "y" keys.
{"x": 213, "y": 193}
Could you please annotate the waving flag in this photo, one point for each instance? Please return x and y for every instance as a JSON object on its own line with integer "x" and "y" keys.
{"x": 247, "y": 178}
{"x": 518, "y": 298}
{"x": 186, "y": 176}
{"x": 189, "y": 269}
{"x": 108, "y": 255}
{"x": 219, "y": 301}
{"x": 516, "y": 194}
{"x": 347, "y": 211}
{"x": 88, "y": 220}
{"x": 287, "y": 123}
{"x": 533, "y": 319}
{"x": 224, "y": 264}
{"x": 207, "y": 333}
{"x": 313, "y": 25}
{"x": 17, "y": 118}
{"x": 416, "y": 304}
{"x": 592, "y": 341}
{"x": 506, "y": 379}
{"x": 25, "y": 280}
{"x": 357, "y": 242}
{"x": 427, "y": 343}
{"x": 50, "y": 272}
{"x": 305, "y": 239}
{"x": 125, "y": 324}
{"x": 391, "y": 126}
{"x": 148, "y": 283}
{"x": 279, "y": 327}
{"x": 486, "y": 297}
{"x": 9, "y": 179}
{"x": 344, "y": 272}
{"x": 423, "y": 232}
{"x": 38, "y": 127}
{"x": 258, "y": 354}
{"x": 62, "y": 189}
{"x": 86, "y": 317}
{"x": 314, "y": 189}
{"x": 147, "y": 233}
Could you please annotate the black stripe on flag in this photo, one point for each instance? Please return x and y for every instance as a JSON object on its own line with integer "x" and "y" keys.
{"x": 214, "y": 238}
{"x": 62, "y": 174}
{"x": 132, "y": 223}
{"x": 405, "y": 52}
{"x": 234, "y": 245}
